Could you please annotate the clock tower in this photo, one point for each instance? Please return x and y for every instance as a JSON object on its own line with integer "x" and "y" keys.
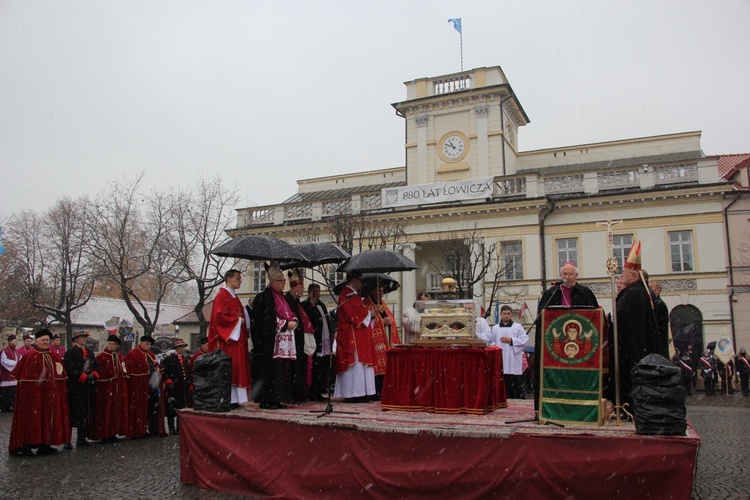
{"x": 461, "y": 126}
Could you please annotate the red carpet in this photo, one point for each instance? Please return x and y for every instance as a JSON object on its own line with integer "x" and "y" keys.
{"x": 292, "y": 453}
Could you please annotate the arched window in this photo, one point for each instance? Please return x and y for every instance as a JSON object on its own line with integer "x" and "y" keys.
{"x": 686, "y": 322}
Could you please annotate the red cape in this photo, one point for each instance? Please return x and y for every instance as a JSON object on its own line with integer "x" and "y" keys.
{"x": 351, "y": 335}
{"x": 224, "y": 315}
{"x": 138, "y": 387}
{"x": 111, "y": 397}
{"x": 381, "y": 342}
{"x": 40, "y": 411}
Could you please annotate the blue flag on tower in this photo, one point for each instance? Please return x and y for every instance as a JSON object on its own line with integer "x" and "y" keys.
{"x": 456, "y": 23}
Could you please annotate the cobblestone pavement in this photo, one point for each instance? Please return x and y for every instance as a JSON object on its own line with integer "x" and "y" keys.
{"x": 149, "y": 468}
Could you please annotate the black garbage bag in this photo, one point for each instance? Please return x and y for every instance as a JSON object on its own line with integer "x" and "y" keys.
{"x": 212, "y": 382}
{"x": 658, "y": 397}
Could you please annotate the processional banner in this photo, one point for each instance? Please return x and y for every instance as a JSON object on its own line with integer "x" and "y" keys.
{"x": 572, "y": 362}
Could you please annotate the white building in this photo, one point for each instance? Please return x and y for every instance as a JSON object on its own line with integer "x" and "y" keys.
{"x": 465, "y": 181}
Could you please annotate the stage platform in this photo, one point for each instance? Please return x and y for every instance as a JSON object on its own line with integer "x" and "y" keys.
{"x": 296, "y": 453}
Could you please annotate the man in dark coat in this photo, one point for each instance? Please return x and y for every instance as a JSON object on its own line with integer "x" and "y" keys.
{"x": 178, "y": 383}
{"x": 82, "y": 368}
{"x": 637, "y": 329}
{"x": 321, "y": 369}
{"x": 662, "y": 316}
{"x": 566, "y": 293}
{"x": 264, "y": 324}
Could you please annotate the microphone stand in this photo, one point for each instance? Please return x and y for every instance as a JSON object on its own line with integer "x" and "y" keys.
{"x": 329, "y": 407}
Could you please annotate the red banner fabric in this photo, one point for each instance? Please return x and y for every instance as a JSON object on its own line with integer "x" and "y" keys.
{"x": 444, "y": 380}
{"x": 272, "y": 459}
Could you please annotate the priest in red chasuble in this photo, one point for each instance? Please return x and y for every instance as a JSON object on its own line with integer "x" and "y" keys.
{"x": 228, "y": 331}
{"x": 111, "y": 394}
{"x": 384, "y": 331}
{"x": 355, "y": 356}
{"x": 145, "y": 391}
{"x": 40, "y": 414}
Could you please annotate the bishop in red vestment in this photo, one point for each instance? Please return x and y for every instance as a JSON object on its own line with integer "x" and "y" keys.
{"x": 355, "y": 357}
{"x": 228, "y": 331}
{"x": 40, "y": 416}
{"x": 111, "y": 394}
{"x": 145, "y": 391}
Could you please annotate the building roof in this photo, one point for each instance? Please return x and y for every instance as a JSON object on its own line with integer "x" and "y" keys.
{"x": 191, "y": 317}
{"x": 339, "y": 193}
{"x": 99, "y": 310}
{"x": 730, "y": 164}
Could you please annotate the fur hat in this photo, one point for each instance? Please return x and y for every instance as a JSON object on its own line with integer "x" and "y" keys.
{"x": 204, "y": 340}
{"x": 272, "y": 271}
{"x": 634, "y": 257}
{"x": 11, "y": 337}
{"x": 43, "y": 333}
{"x": 296, "y": 277}
{"x": 147, "y": 338}
{"x": 55, "y": 336}
{"x": 179, "y": 343}
{"x": 114, "y": 338}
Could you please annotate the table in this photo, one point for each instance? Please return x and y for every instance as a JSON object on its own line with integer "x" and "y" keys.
{"x": 444, "y": 380}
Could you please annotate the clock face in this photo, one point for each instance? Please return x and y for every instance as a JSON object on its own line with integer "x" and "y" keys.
{"x": 453, "y": 147}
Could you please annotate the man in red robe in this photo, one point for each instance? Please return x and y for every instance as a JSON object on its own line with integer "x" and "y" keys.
{"x": 145, "y": 391}
{"x": 27, "y": 346}
{"x": 384, "y": 332}
{"x": 355, "y": 357}
{"x": 40, "y": 416}
{"x": 228, "y": 331}
{"x": 111, "y": 394}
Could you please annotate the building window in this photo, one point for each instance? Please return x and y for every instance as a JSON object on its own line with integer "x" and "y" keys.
{"x": 681, "y": 251}
{"x": 621, "y": 247}
{"x": 333, "y": 276}
{"x": 259, "y": 277}
{"x": 567, "y": 251}
{"x": 433, "y": 282}
{"x": 512, "y": 261}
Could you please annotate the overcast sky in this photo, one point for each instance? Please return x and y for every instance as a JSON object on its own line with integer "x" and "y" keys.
{"x": 268, "y": 92}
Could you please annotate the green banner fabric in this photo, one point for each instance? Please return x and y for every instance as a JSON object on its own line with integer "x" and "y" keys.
{"x": 572, "y": 362}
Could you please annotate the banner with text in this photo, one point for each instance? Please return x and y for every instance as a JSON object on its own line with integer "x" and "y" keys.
{"x": 438, "y": 192}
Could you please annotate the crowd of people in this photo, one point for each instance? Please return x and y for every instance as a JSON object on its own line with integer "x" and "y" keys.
{"x": 106, "y": 397}
{"x": 287, "y": 350}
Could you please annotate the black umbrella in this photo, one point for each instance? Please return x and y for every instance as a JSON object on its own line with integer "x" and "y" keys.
{"x": 370, "y": 280}
{"x": 378, "y": 261}
{"x": 316, "y": 253}
{"x": 256, "y": 247}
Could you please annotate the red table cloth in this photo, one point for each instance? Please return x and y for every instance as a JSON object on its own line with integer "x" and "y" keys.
{"x": 444, "y": 380}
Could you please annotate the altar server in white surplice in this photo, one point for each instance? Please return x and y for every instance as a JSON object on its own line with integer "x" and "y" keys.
{"x": 512, "y": 338}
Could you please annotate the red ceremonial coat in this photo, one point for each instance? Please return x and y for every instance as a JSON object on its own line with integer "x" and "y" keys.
{"x": 381, "y": 342}
{"x": 24, "y": 349}
{"x": 111, "y": 397}
{"x": 40, "y": 411}
{"x": 227, "y": 310}
{"x": 140, "y": 366}
{"x": 351, "y": 335}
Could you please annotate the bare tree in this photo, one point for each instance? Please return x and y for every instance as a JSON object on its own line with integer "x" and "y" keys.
{"x": 52, "y": 259}
{"x": 127, "y": 244}
{"x": 200, "y": 219}
{"x": 364, "y": 232}
{"x": 17, "y": 307}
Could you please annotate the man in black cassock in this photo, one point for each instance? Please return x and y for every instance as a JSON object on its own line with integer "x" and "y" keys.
{"x": 637, "y": 327}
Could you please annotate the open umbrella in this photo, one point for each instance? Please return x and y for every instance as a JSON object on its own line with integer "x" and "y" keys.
{"x": 316, "y": 253}
{"x": 256, "y": 247}
{"x": 388, "y": 283}
{"x": 378, "y": 261}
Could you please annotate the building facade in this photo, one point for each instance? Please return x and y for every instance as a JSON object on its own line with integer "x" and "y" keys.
{"x": 519, "y": 215}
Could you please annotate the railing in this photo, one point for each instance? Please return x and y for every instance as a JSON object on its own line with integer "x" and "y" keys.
{"x": 563, "y": 184}
{"x": 454, "y": 84}
{"x": 526, "y": 185}
{"x": 675, "y": 174}
{"x": 618, "y": 179}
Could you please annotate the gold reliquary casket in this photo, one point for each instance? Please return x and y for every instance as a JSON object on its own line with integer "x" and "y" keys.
{"x": 449, "y": 323}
